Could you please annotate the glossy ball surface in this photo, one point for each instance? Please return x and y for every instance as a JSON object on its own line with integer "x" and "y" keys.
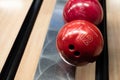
{"x": 79, "y": 42}
{"x": 89, "y": 10}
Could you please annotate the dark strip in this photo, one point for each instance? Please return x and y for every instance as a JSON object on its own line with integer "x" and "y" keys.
{"x": 11, "y": 65}
{"x": 102, "y": 70}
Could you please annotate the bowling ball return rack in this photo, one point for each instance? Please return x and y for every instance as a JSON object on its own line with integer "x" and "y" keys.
{"x": 50, "y": 65}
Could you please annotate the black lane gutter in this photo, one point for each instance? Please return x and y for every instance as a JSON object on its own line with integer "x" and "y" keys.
{"x": 13, "y": 60}
{"x": 102, "y": 69}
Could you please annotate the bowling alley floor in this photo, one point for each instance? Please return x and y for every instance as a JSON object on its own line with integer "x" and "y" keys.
{"x": 25, "y": 25}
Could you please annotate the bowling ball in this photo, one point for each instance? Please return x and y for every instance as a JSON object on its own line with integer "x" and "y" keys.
{"x": 90, "y": 10}
{"x": 79, "y": 42}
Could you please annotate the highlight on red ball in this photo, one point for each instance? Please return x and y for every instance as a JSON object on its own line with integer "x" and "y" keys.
{"x": 79, "y": 42}
{"x": 90, "y": 10}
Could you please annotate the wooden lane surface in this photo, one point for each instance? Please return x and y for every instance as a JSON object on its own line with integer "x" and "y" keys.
{"x": 12, "y": 14}
{"x": 31, "y": 55}
{"x": 86, "y": 72}
{"x": 113, "y": 29}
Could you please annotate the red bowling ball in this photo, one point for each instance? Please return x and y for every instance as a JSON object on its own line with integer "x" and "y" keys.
{"x": 79, "y": 42}
{"x": 89, "y": 10}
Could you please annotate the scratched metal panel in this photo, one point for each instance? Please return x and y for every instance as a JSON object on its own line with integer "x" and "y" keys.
{"x": 51, "y": 66}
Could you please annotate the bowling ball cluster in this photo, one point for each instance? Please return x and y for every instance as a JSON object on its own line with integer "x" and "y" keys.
{"x": 79, "y": 41}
